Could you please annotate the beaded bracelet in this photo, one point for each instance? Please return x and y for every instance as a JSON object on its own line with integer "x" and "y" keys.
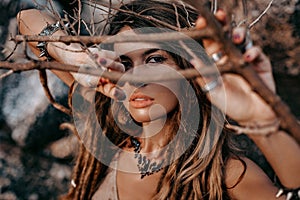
{"x": 256, "y": 128}
{"x": 48, "y": 30}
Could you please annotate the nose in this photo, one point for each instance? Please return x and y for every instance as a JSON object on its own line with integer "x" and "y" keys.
{"x": 138, "y": 70}
{"x": 138, "y": 85}
{"x": 121, "y": 82}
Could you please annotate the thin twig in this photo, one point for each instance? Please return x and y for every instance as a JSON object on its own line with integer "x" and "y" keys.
{"x": 107, "y": 18}
{"x": 44, "y": 82}
{"x": 9, "y": 72}
{"x": 11, "y": 53}
{"x": 113, "y": 75}
{"x": 261, "y": 15}
{"x": 153, "y": 37}
{"x": 150, "y": 18}
{"x": 79, "y": 17}
{"x": 214, "y": 6}
{"x": 71, "y": 127}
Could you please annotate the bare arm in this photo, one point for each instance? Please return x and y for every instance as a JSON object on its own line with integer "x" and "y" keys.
{"x": 72, "y": 54}
{"x": 254, "y": 184}
{"x": 247, "y": 108}
{"x": 283, "y": 153}
{"x": 32, "y": 22}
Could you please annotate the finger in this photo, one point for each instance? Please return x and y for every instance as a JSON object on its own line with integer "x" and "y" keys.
{"x": 252, "y": 54}
{"x": 86, "y": 80}
{"x": 221, "y": 16}
{"x": 238, "y": 35}
{"x": 204, "y": 80}
{"x": 106, "y": 89}
{"x": 100, "y": 53}
{"x": 116, "y": 66}
{"x": 260, "y": 61}
{"x": 112, "y": 91}
{"x": 201, "y": 21}
{"x": 262, "y": 65}
{"x": 113, "y": 65}
{"x": 210, "y": 45}
{"x": 108, "y": 60}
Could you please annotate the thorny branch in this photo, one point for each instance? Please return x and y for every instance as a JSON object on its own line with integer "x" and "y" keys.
{"x": 214, "y": 30}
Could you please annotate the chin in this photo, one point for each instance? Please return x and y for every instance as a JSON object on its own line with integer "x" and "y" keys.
{"x": 141, "y": 119}
{"x": 147, "y": 118}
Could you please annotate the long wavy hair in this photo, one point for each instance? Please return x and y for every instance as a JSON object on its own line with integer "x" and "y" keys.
{"x": 190, "y": 176}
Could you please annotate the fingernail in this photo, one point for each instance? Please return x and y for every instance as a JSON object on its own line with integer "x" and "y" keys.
{"x": 236, "y": 37}
{"x": 103, "y": 61}
{"x": 248, "y": 57}
{"x": 200, "y": 23}
{"x": 119, "y": 95}
{"x": 95, "y": 56}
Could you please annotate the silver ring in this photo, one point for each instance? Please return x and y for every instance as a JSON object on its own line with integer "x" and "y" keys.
{"x": 211, "y": 85}
{"x": 249, "y": 44}
{"x": 216, "y": 57}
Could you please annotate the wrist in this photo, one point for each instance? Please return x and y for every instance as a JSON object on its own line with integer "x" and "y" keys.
{"x": 256, "y": 128}
{"x": 49, "y": 30}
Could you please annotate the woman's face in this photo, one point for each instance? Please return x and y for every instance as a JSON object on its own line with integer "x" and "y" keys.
{"x": 149, "y": 101}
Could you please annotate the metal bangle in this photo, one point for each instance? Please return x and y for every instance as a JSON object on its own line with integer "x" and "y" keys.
{"x": 211, "y": 85}
{"x": 216, "y": 57}
{"x": 48, "y": 30}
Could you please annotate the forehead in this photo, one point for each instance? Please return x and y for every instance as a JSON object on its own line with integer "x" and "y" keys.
{"x": 124, "y": 48}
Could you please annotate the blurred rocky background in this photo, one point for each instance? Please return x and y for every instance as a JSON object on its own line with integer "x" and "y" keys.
{"x": 36, "y": 156}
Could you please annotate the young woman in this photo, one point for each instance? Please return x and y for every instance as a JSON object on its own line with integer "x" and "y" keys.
{"x": 167, "y": 139}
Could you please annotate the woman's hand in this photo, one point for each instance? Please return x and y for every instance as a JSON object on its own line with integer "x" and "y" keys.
{"x": 234, "y": 95}
{"x": 73, "y": 54}
{"x": 105, "y": 86}
{"x": 107, "y": 61}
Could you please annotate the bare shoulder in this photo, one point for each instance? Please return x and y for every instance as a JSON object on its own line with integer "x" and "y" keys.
{"x": 245, "y": 180}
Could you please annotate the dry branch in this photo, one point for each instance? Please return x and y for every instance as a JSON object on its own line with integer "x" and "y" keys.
{"x": 214, "y": 31}
{"x": 288, "y": 120}
{"x": 153, "y": 37}
{"x": 112, "y": 75}
{"x": 44, "y": 82}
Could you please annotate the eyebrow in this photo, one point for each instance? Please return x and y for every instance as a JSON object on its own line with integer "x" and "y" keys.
{"x": 144, "y": 54}
{"x": 150, "y": 51}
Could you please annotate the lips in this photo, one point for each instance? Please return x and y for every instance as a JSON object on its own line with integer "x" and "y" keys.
{"x": 138, "y": 100}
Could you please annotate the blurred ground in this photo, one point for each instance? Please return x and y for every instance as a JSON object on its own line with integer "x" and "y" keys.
{"x": 36, "y": 156}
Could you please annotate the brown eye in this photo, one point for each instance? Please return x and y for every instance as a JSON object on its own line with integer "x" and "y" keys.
{"x": 156, "y": 59}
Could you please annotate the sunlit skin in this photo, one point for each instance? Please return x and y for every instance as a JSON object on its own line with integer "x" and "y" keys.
{"x": 148, "y": 103}
{"x": 151, "y": 105}
{"x": 142, "y": 99}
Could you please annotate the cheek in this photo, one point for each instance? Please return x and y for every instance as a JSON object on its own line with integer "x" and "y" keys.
{"x": 168, "y": 101}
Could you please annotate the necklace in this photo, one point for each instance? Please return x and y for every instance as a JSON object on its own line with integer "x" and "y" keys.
{"x": 145, "y": 165}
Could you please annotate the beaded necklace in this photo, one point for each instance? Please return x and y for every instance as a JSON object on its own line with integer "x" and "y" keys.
{"x": 145, "y": 165}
